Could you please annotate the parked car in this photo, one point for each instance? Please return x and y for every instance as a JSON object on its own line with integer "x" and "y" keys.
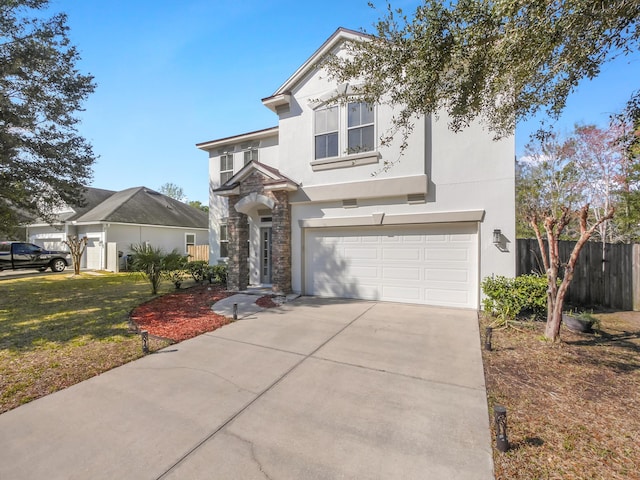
{"x": 14, "y": 255}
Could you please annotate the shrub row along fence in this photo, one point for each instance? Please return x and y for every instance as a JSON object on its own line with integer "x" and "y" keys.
{"x": 606, "y": 278}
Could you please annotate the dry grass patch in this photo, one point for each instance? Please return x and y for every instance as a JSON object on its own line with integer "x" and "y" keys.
{"x": 58, "y": 330}
{"x": 573, "y": 407}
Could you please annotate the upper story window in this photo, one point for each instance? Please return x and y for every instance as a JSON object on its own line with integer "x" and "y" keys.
{"x": 326, "y": 132}
{"x": 360, "y": 128}
{"x": 250, "y": 155}
{"x": 226, "y": 167}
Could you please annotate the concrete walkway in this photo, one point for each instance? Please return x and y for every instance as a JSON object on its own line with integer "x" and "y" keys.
{"x": 315, "y": 389}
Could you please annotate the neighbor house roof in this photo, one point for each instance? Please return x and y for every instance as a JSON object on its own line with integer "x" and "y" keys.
{"x": 141, "y": 205}
{"x": 90, "y": 199}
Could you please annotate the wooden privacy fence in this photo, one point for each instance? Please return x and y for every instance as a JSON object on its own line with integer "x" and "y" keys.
{"x": 612, "y": 281}
{"x": 198, "y": 252}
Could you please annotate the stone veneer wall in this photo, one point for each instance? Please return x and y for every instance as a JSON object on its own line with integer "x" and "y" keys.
{"x": 281, "y": 244}
{"x": 238, "y": 231}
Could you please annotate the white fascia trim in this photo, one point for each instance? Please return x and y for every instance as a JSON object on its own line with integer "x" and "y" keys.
{"x": 338, "y": 36}
{"x": 397, "y": 219}
{"x": 286, "y": 186}
{"x": 206, "y": 229}
{"x": 272, "y": 103}
{"x": 227, "y": 192}
{"x": 243, "y": 137}
{"x": 378, "y": 188}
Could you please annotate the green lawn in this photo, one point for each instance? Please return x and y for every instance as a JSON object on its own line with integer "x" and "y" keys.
{"x": 58, "y": 330}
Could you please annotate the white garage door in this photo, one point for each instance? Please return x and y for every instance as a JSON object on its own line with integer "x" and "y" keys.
{"x": 433, "y": 265}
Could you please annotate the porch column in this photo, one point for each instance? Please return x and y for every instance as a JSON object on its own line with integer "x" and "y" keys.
{"x": 238, "y": 231}
{"x": 281, "y": 243}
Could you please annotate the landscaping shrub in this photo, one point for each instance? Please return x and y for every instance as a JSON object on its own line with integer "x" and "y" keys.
{"x": 155, "y": 264}
{"x": 198, "y": 269}
{"x": 218, "y": 274}
{"x": 506, "y": 298}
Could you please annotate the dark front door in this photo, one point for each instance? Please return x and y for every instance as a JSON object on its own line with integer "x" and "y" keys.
{"x": 265, "y": 255}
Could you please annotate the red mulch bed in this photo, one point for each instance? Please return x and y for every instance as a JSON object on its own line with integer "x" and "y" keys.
{"x": 183, "y": 314}
{"x": 266, "y": 302}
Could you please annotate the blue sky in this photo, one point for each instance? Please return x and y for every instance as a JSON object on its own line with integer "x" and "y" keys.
{"x": 172, "y": 73}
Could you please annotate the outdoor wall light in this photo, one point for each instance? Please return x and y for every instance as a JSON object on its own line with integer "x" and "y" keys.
{"x": 497, "y": 236}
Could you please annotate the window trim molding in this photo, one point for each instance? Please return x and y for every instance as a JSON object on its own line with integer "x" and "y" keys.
{"x": 326, "y": 133}
{"x": 186, "y": 244}
{"x": 223, "y": 223}
{"x": 344, "y": 159}
{"x": 354, "y": 160}
{"x": 230, "y": 171}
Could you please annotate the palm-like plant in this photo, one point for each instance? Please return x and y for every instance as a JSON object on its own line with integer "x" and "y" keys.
{"x": 154, "y": 263}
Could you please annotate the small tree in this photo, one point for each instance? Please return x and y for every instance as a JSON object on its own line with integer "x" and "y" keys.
{"x": 77, "y": 246}
{"x": 154, "y": 263}
{"x": 552, "y": 194}
{"x": 172, "y": 190}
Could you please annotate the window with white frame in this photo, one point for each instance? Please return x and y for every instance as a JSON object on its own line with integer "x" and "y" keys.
{"x": 360, "y": 127}
{"x": 326, "y": 132}
{"x": 189, "y": 241}
{"x": 224, "y": 239}
{"x": 250, "y": 155}
{"x": 226, "y": 167}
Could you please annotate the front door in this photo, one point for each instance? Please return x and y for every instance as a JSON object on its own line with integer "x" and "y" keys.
{"x": 265, "y": 255}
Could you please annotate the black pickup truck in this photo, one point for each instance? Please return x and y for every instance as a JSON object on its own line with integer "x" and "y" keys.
{"x": 14, "y": 255}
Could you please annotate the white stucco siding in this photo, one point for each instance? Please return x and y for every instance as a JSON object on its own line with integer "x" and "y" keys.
{"x": 297, "y": 141}
{"x": 167, "y": 238}
{"x": 471, "y": 169}
{"x": 268, "y": 153}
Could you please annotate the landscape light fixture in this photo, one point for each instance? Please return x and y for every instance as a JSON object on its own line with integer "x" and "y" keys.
{"x": 500, "y": 414}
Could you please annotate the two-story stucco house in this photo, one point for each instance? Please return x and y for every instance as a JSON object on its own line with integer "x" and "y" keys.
{"x": 307, "y": 206}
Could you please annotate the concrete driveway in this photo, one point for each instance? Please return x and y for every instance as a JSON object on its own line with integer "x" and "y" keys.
{"x": 315, "y": 389}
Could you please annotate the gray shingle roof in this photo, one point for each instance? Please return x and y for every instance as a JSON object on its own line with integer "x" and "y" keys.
{"x": 138, "y": 205}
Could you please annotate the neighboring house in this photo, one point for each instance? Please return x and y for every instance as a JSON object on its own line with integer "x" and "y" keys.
{"x": 113, "y": 221}
{"x": 308, "y": 206}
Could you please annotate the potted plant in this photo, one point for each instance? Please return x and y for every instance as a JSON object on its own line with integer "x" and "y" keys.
{"x": 581, "y": 322}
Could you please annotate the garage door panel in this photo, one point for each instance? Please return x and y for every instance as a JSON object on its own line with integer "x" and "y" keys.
{"x": 364, "y": 272}
{"x": 400, "y": 273}
{"x": 416, "y": 264}
{"x": 401, "y": 294}
{"x": 446, "y": 298}
{"x": 449, "y": 254}
{"x": 361, "y": 253}
{"x": 400, "y": 254}
{"x": 446, "y": 275}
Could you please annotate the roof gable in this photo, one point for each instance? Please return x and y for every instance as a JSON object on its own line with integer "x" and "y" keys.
{"x": 273, "y": 179}
{"x": 282, "y": 95}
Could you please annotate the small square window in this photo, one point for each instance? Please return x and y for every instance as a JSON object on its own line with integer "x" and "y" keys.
{"x": 189, "y": 241}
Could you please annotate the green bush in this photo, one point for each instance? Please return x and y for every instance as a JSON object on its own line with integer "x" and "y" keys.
{"x": 506, "y": 298}
{"x": 155, "y": 264}
{"x": 198, "y": 269}
{"x": 218, "y": 274}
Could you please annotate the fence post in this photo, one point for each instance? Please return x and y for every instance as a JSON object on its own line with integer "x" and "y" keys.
{"x": 635, "y": 275}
